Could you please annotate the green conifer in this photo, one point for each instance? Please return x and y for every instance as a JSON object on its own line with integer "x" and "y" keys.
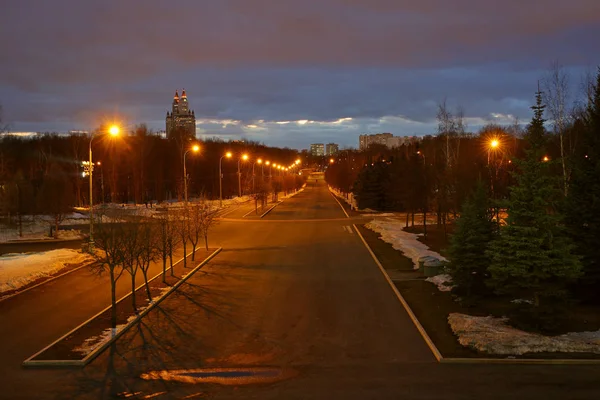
{"x": 468, "y": 258}
{"x": 532, "y": 258}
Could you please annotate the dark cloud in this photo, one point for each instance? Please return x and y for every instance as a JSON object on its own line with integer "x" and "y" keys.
{"x": 68, "y": 63}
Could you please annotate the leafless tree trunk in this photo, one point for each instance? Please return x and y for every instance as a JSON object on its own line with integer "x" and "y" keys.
{"x": 182, "y": 227}
{"x": 109, "y": 241}
{"x": 556, "y": 96}
{"x": 148, "y": 250}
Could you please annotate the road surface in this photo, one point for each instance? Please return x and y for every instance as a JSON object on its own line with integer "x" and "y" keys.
{"x": 297, "y": 292}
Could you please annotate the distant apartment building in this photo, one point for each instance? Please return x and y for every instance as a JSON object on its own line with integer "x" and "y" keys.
{"x": 331, "y": 149}
{"x": 317, "y": 149}
{"x": 385, "y": 139}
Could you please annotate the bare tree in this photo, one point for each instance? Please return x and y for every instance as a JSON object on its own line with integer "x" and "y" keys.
{"x": 195, "y": 224}
{"x": 182, "y": 227}
{"x": 164, "y": 233}
{"x": 207, "y": 214}
{"x": 556, "y": 97}
{"x": 110, "y": 243}
{"x": 148, "y": 250}
{"x": 173, "y": 238}
{"x": 132, "y": 242}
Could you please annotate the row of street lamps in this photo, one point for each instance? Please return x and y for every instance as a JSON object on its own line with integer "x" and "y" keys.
{"x": 114, "y": 131}
{"x": 243, "y": 157}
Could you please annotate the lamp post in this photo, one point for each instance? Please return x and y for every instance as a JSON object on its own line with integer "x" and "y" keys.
{"x": 228, "y": 155}
{"x": 243, "y": 157}
{"x": 195, "y": 148}
{"x": 253, "y": 164}
{"x": 113, "y": 130}
{"x": 493, "y": 146}
{"x": 268, "y": 164}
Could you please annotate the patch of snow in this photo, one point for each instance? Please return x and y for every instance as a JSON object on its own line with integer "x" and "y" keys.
{"x": 18, "y": 269}
{"x": 92, "y": 343}
{"x": 391, "y": 231}
{"x": 293, "y": 193}
{"x": 443, "y": 282}
{"x": 493, "y": 335}
{"x": 349, "y": 200}
{"x": 521, "y": 301}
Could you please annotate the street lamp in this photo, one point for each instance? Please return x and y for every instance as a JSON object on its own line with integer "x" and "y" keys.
{"x": 243, "y": 157}
{"x": 493, "y": 145}
{"x": 253, "y": 164}
{"x": 268, "y": 164}
{"x": 195, "y": 148}
{"x": 113, "y": 130}
{"x": 419, "y": 152}
{"x": 228, "y": 155}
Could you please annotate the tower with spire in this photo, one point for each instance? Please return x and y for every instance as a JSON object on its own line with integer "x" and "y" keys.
{"x": 181, "y": 120}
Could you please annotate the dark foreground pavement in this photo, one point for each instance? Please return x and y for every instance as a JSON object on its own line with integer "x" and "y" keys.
{"x": 297, "y": 291}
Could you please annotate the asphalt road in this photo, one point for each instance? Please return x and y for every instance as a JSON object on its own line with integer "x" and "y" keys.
{"x": 296, "y": 291}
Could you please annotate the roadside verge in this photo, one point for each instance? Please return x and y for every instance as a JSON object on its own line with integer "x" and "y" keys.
{"x": 437, "y": 327}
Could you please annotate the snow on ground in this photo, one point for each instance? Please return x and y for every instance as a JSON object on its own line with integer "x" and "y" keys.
{"x": 38, "y": 228}
{"x": 350, "y": 200}
{"x": 293, "y": 193}
{"x": 92, "y": 343}
{"x": 493, "y": 335}
{"x": 391, "y": 231}
{"x": 443, "y": 282}
{"x": 18, "y": 269}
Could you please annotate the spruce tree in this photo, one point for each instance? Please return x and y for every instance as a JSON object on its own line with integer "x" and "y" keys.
{"x": 583, "y": 203}
{"x": 369, "y": 188}
{"x": 532, "y": 258}
{"x": 468, "y": 258}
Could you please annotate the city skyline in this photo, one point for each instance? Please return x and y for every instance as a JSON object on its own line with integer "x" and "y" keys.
{"x": 323, "y": 71}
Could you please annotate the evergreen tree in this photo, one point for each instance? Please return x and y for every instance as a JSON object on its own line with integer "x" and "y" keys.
{"x": 583, "y": 203}
{"x": 468, "y": 258}
{"x": 532, "y": 258}
{"x": 369, "y": 188}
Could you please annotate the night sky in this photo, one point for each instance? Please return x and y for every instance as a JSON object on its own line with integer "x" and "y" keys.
{"x": 287, "y": 73}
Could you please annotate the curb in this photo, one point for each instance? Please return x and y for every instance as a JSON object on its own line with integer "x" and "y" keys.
{"x": 29, "y": 362}
{"x": 428, "y": 341}
{"x": 46, "y": 281}
{"x": 271, "y": 209}
{"x": 16, "y": 241}
{"x": 340, "y": 204}
{"x": 524, "y": 361}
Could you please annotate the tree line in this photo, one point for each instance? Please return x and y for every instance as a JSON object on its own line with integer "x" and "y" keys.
{"x": 44, "y": 175}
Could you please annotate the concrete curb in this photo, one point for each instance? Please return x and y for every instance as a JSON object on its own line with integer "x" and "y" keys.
{"x": 428, "y": 341}
{"x": 340, "y": 204}
{"x": 271, "y": 209}
{"x": 524, "y": 361}
{"x": 13, "y": 242}
{"x": 46, "y": 281}
{"x": 450, "y": 360}
{"x": 30, "y": 362}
